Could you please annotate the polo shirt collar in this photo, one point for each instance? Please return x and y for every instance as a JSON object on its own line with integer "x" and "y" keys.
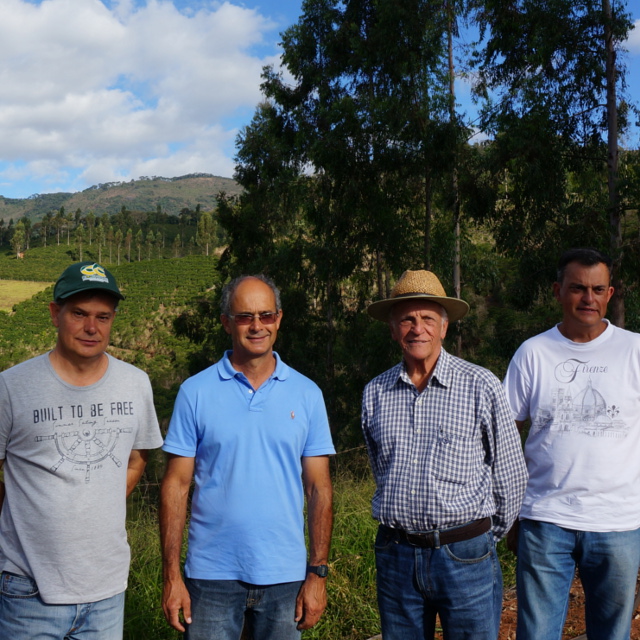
{"x": 227, "y": 371}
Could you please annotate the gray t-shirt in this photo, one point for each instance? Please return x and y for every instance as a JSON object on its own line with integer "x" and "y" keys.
{"x": 66, "y": 450}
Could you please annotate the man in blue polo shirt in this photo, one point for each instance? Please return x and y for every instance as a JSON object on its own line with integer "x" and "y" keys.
{"x": 255, "y": 436}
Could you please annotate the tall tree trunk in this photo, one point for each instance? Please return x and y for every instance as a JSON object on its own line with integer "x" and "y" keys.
{"x": 615, "y": 230}
{"x": 457, "y": 284}
{"x": 379, "y": 274}
{"x": 427, "y": 217}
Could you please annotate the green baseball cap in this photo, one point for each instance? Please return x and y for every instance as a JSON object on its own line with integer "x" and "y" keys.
{"x": 85, "y": 276}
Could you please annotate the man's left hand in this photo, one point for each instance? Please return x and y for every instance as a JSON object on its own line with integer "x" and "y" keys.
{"x": 311, "y": 601}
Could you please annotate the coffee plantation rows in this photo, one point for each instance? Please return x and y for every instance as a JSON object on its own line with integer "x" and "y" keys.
{"x": 156, "y": 291}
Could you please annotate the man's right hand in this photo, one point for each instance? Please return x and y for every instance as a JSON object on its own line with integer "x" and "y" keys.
{"x": 512, "y": 538}
{"x": 176, "y": 599}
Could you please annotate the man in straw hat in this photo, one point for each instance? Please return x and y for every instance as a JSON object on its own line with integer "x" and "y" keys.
{"x": 449, "y": 472}
{"x": 75, "y": 427}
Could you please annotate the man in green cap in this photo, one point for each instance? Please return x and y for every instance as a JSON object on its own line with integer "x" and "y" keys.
{"x": 75, "y": 428}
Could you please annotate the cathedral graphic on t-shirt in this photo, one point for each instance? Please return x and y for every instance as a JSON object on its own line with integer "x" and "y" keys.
{"x": 580, "y": 410}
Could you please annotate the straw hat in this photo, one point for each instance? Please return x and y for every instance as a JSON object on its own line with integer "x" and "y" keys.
{"x": 418, "y": 285}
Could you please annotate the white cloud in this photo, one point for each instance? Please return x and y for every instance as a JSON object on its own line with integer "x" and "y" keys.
{"x": 633, "y": 43}
{"x": 126, "y": 89}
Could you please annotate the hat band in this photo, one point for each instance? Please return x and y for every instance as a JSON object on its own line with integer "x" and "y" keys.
{"x": 418, "y": 293}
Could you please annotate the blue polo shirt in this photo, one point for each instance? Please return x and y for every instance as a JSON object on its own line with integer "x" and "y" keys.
{"x": 247, "y": 507}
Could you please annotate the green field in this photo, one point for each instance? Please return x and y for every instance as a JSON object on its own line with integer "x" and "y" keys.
{"x": 14, "y": 291}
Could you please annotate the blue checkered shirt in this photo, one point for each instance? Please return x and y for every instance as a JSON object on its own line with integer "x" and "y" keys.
{"x": 447, "y": 455}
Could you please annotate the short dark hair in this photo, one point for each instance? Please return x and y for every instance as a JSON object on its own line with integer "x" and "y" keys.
{"x": 585, "y": 256}
{"x": 230, "y": 289}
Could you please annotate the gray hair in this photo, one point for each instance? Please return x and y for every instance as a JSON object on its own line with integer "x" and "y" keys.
{"x": 230, "y": 289}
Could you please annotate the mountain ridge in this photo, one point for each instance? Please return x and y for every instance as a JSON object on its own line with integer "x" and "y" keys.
{"x": 143, "y": 194}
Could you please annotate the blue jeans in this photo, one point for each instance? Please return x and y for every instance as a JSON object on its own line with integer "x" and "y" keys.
{"x": 218, "y": 609}
{"x": 547, "y": 558}
{"x": 461, "y": 582}
{"x": 24, "y": 616}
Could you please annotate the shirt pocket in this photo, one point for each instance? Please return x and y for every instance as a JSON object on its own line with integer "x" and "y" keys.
{"x": 455, "y": 456}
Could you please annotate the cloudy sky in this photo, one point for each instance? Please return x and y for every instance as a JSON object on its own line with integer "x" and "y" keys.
{"x": 102, "y": 90}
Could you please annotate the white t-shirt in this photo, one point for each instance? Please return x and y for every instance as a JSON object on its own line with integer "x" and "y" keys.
{"x": 583, "y": 448}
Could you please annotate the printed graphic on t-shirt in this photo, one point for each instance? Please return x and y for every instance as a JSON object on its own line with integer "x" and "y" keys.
{"x": 577, "y": 406}
{"x": 84, "y": 436}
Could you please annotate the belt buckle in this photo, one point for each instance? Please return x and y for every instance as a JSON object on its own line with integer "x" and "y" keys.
{"x": 429, "y": 539}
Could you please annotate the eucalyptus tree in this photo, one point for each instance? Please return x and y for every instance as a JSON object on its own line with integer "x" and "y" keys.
{"x": 150, "y": 240}
{"x": 28, "y": 230}
{"x": 18, "y": 238}
{"x": 552, "y": 74}
{"x": 91, "y": 223}
{"x": 139, "y": 243}
{"x": 370, "y": 110}
{"x": 118, "y": 239}
{"x": 80, "y": 237}
{"x": 70, "y": 221}
{"x": 58, "y": 222}
{"x": 47, "y": 221}
{"x": 176, "y": 244}
{"x": 342, "y": 165}
{"x": 128, "y": 240}
{"x": 110, "y": 238}
{"x": 100, "y": 239}
{"x": 205, "y": 231}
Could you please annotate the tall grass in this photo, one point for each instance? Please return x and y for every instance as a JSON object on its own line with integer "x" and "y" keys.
{"x": 351, "y": 613}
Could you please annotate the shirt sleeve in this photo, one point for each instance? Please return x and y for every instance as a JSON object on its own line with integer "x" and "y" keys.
{"x": 509, "y": 468}
{"x": 518, "y": 388}
{"x": 148, "y": 436}
{"x": 182, "y": 436}
{"x": 319, "y": 442}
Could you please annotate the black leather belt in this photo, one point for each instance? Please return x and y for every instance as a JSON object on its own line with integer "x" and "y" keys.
{"x": 434, "y": 539}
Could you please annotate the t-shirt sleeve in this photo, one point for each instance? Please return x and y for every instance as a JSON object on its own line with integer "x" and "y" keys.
{"x": 517, "y": 387}
{"x": 319, "y": 442}
{"x": 148, "y": 436}
{"x": 182, "y": 436}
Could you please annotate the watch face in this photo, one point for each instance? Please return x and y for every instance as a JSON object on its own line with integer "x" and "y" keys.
{"x": 322, "y": 570}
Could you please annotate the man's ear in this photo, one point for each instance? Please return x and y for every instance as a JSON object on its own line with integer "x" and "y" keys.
{"x": 225, "y": 322}
{"x": 54, "y": 312}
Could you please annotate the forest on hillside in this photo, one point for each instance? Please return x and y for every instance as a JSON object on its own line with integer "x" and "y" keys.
{"x": 147, "y": 193}
{"x": 359, "y": 164}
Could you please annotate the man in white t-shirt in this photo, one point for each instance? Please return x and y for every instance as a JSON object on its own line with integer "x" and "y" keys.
{"x": 579, "y": 384}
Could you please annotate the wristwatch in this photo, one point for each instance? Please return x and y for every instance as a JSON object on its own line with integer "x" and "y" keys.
{"x": 321, "y": 570}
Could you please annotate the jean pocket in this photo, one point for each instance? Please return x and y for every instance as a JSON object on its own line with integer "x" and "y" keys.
{"x": 472, "y": 550}
{"x": 384, "y": 539}
{"x": 15, "y": 586}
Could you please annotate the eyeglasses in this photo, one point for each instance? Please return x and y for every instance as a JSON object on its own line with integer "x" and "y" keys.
{"x": 266, "y": 317}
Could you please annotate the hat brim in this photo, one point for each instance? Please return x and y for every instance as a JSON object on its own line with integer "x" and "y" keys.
{"x": 115, "y": 294}
{"x": 455, "y": 308}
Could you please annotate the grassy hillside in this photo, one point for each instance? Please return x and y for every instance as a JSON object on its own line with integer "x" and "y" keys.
{"x": 144, "y": 194}
{"x": 157, "y": 291}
